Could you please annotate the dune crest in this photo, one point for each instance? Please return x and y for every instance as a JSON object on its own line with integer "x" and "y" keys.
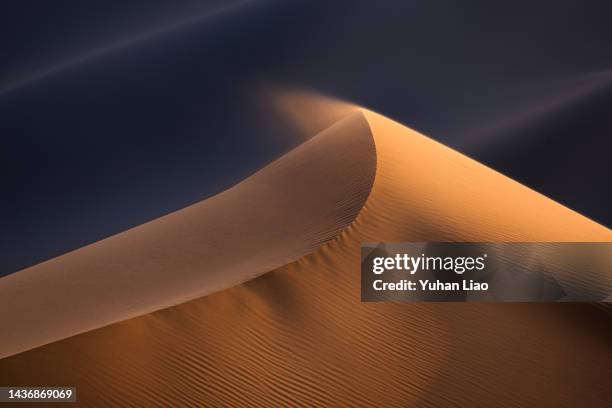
{"x": 299, "y": 335}
{"x": 277, "y": 215}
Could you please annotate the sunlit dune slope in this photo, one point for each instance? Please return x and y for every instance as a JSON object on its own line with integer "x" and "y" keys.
{"x": 274, "y": 217}
{"x": 299, "y": 335}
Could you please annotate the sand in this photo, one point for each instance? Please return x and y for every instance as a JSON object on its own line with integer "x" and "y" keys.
{"x": 298, "y": 335}
{"x": 284, "y": 211}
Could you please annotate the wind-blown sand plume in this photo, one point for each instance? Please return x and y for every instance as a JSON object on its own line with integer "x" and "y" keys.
{"x": 299, "y": 335}
{"x": 274, "y": 217}
{"x": 306, "y": 112}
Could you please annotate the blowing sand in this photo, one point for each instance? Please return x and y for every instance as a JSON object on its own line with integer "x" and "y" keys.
{"x": 298, "y": 335}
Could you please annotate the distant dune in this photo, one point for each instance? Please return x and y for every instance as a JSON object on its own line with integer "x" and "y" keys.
{"x": 298, "y": 334}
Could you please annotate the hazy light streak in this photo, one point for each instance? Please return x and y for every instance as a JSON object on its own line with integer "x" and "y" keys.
{"x": 118, "y": 45}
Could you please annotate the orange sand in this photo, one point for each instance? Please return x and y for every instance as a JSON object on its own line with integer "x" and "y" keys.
{"x": 298, "y": 335}
{"x": 274, "y": 217}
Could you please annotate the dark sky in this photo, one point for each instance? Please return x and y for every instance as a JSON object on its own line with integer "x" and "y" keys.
{"x": 114, "y": 113}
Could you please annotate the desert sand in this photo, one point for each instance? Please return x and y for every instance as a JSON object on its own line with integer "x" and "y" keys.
{"x": 255, "y": 301}
{"x": 284, "y": 211}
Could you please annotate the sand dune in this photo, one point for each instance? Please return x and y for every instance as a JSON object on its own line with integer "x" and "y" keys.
{"x": 298, "y": 335}
{"x": 274, "y": 217}
{"x": 551, "y": 131}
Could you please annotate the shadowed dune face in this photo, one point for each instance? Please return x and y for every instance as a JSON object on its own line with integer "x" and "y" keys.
{"x": 299, "y": 335}
{"x": 274, "y": 217}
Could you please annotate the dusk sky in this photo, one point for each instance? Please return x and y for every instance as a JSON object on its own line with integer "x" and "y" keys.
{"x": 113, "y": 114}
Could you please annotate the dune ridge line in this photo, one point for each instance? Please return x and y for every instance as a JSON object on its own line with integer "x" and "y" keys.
{"x": 282, "y": 212}
{"x": 299, "y": 335}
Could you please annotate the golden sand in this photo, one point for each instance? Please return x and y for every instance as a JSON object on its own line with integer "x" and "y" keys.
{"x": 299, "y": 335}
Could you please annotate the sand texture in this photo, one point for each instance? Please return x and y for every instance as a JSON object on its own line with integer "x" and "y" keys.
{"x": 284, "y": 211}
{"x": 298, "y": 335}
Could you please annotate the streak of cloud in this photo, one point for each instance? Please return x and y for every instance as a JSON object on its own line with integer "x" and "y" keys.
{"x": 118, "y": 45}
{"x": 568, "y": 93}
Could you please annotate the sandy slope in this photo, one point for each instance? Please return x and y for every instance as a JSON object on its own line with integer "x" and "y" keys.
{"x": 299, "y": 335}
{"x": 274, "y": 217}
